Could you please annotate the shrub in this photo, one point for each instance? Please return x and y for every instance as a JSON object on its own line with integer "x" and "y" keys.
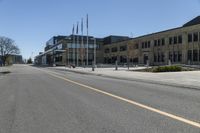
{"x": 167, "y": 69}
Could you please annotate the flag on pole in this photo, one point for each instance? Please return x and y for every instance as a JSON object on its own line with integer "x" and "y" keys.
{"x": 77, "y": 29}
{"x": 82, "y": 25}
{"x": 73, "y": 30}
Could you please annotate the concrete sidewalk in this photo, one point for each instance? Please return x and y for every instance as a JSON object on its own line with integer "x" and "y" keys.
{"x": 187, "y": 79}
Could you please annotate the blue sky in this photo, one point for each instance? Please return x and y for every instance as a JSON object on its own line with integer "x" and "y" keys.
{"x": 32, "y": 22}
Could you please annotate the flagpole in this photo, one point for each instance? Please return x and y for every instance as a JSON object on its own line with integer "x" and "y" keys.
{"x": 87, "y": 39}
{"x": 77, "y": 47}
{"x": 82, "y": 42}
{"x": 77, "y": 51}
{"x": 73, "y": 47}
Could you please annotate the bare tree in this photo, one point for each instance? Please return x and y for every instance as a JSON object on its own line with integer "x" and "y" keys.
{"x": 7, "y": 48}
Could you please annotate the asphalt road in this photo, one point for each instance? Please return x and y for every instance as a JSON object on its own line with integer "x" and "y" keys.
{"x": 40, "y": 100}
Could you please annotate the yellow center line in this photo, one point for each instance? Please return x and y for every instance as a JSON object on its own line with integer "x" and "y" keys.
{"x": 175, "y": 117}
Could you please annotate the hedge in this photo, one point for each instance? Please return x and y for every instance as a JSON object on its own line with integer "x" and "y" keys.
{"x": 167, "y": 69}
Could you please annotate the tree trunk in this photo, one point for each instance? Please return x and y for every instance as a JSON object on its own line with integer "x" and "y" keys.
{"x": 3, "y": 60}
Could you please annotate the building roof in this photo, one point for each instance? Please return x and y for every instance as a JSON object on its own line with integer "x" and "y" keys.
{"x": 157, "y": 33}
{"x": 114, "y": 39}
{"x": 194, "y": 21}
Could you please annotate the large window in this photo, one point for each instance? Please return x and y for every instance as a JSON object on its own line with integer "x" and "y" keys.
{"x": 190, "y": 55}
{"x": 159, "y": 42}
{"x": 170, "y": 56}
{"x": 123, "y": 48}
{"x": 113, "y": 59}
{"x": 135, "y": 60}
{"x": 114, "y": 49}
{"x": 159, "y": 57}
{"x": 179, "y": 56}
{"x": 163, "y": 41}
{"x": 149, "y": 43}
{"x": 155, "y": 42}
{"x": 175, "y": 40}
{"x": 195, "y": 55}
{"x": 180, "y": 39}
{"x": 123, "y": 59}
{"x": 195, "y": 37}
{"x": 162, "y": 57}
{"x": 170, "y": 40}
{"x": 155, "y": 58}
{"x": 142, "y": 44}
{"x": 145, "y": 44}
{"x": 58, "y": 58}
{"x": 107, "y": 50}
{"x": 175, "y": 56}
{"x": 189, "y": 37}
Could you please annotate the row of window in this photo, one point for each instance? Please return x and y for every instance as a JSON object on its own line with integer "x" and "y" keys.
{"x": 193, "y": 37}
{"x": 90, "y": 55}
{"x": 123, "y": 48}
{"x": 196, "y": 55}
{"x": 173, "y": 56}
{"x": 115, "y": 49}
{"x": 176, "y": 40}
{"x": 114, "y": 58}
{"x": 58, "y": 59}
{"x": 122, "y": 59}
{"x": 146, "y": 44}
{"x": 177, "y": 56}
{"x": 159, "y": 57}
{"x": 159, "y": 42}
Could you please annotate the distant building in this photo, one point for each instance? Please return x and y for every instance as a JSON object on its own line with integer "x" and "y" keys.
{"x": 13, "y": 59}
{"x": 66, "y": 50}
{"x": 16, "y": 59}
{"x": 177, "y": 46}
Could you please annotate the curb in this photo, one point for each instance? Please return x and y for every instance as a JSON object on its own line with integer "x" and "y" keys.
{"x": 134, "y": 79}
